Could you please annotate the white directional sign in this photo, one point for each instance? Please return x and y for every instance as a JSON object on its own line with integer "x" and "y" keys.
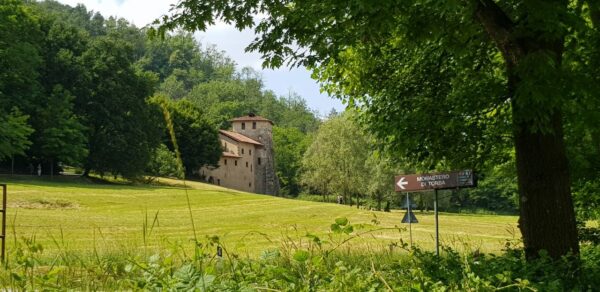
{"x": 401, "y": 183}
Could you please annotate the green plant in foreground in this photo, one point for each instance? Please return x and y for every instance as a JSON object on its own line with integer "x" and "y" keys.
{"x": 303, "y": 262}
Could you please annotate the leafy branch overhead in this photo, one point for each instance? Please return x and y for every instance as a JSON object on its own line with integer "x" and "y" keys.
{"x": 446, "y": 84}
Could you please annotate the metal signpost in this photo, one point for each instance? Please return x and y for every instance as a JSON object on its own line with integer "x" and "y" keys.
{"x": 435, "y": 182}
{"x": 409, "y": 217}
{"x": 408, "y": 203}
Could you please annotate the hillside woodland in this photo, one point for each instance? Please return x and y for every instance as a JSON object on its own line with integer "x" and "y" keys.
{"x": 81, "y": 90}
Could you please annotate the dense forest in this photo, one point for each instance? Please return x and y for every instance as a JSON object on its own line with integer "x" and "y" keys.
{"x": 81, "y": 90}
{"x": 78, "y": 89}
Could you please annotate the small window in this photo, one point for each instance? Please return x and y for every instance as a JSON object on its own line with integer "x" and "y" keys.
{"x": 243, "y": 126}
{"x": 242, "y": 150}
{"x": 218, "y": 181}
{"x": 253, "y": 125}
{"x": 259, "y": 161}
{"x": 246, "y": 163}
{"x": 250, "y": 151}
{"x": 249, "y": 185}
{"x": 250, "y": 167}
{"x": 235, "y": 162}
{"x": 225, "y": 161}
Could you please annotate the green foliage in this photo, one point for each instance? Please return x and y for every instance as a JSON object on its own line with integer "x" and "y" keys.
{"x": 14, "y": 134}
{"x": 76, "y": 84}
{"x": 20, "y": 61}
{"x": 587, "y": 200}
{"x": 19, "y": 64}
{"x": 197, "y": 137}
{"x": 335, "y": 161}
{"x": 302, "y": 263}
{"x": 380, "y": 174}
{"x": 223, "y": 100}
{"x": 587, "y": 203}
{"x": 448, "y": 84}
{"x": 164, "y": 163}
{"x": 342, "y": 160}
{"x": 61, "y": 135}
{"x": 290, "y": 144}
{"x": 496, "y": 191}
{"x": 180, "y": 58}
{"x": 123, "y": 128}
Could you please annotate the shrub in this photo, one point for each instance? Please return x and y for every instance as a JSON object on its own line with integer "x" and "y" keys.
{"x": 164, "y": 163}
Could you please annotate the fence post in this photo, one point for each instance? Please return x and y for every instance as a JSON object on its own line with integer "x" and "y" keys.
{"x": 3, "y": 235}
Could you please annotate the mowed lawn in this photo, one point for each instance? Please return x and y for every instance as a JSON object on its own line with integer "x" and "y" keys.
{"x": 73, "y": 214}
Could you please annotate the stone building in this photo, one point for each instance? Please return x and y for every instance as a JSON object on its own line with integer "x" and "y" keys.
{"x": 248, "y": 162}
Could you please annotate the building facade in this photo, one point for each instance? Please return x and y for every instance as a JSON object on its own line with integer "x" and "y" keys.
{"x": 248, "y": 160}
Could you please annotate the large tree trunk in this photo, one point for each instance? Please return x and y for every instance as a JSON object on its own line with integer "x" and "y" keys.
{"x": 547, "y": 218}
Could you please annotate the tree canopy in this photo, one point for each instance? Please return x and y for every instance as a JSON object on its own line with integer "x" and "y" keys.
{"x": 75, "y": 90}
{"x": 446, "y": 83}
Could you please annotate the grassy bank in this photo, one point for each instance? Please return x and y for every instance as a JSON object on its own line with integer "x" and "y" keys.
{"x": 82, "y": 215}
{"x": 70, "y": 233}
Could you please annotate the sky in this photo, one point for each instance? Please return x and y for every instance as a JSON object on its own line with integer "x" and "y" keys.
{"x": 228, "y": 39}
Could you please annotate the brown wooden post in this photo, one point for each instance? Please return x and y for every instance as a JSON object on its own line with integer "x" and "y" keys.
{"x": 3, "y": 235}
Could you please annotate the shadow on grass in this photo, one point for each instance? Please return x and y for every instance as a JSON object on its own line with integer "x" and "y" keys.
{"x": 80, "y": 182}
{"x": 76, "y": 181}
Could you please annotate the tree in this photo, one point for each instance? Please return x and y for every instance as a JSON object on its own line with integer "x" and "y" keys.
{"x": 61, "y": 136}
{"x": 223, "y": 100}
{"x": 123, "y": 128}
{"x": 335, "y": 161}
{"x": 291, "y": 144}
{"x": 14, "y": 133}
{"x": 496, "y": 191}
{"x": 381, "y": 170}
{"x": 474, "y": 71}
{"x": 197, "y": 138}
{"x": 19, "y": 64}
{"x": 164, "y": 163}
{"x": 181, "y": 58}
{"x": 297, "y": 114}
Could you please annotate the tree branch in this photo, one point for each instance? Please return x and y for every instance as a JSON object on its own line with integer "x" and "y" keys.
{"x": 499, "y": 27}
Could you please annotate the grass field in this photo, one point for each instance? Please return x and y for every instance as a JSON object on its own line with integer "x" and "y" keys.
{"x": 73, "y": 214}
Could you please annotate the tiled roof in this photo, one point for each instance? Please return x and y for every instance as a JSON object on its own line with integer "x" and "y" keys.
{"x": 239, "y": 137}
{"x": 250, "y": 118}
{"x": 232, "y": 155}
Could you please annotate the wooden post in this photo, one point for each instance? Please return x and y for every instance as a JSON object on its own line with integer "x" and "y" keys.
{"x": 3, "y": 235}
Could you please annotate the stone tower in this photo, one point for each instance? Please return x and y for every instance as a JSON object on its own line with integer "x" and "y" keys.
{"x": 261, "y": 130}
